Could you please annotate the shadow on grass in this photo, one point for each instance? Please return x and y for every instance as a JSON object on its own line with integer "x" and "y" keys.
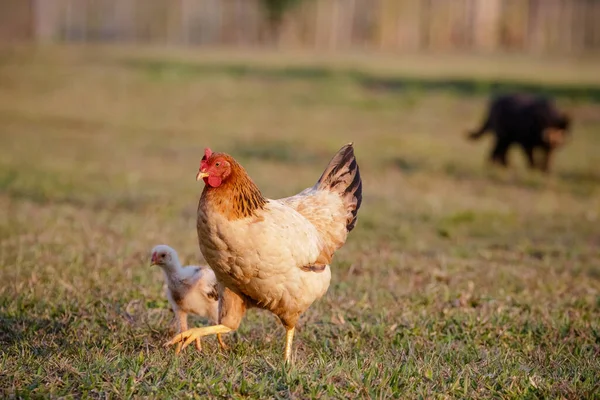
{"x": 39, "y": 196}
{"x": 407, "y": 165}
{"x": 27, "y": 329}
{"x": 66, "y": 326}
{"x": 120, "y": 203}
{"x": 161, "y": 69}
{"x": 578, "y": 177}
{"x": 482, "y": 86}
{"x": 576, "y": 182}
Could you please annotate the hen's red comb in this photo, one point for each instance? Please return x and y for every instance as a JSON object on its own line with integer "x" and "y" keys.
{"x": 207, "y": 154}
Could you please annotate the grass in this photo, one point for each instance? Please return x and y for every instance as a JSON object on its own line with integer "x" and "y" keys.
{"x": 459, "y": 281}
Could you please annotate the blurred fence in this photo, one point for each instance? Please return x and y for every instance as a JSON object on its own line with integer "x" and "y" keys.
{"x": 396, "y": 25}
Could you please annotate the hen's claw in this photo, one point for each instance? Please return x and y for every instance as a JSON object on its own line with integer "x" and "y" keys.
{"x": 184, "y": 339}
{"x": 188, "y": 341}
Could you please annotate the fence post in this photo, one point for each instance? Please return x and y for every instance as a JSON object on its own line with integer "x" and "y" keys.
{"x": 45, "y": 20}
{"x": 487, "y": 24}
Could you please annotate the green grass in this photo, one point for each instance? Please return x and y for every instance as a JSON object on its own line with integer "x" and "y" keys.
{"x": 459, "y": 281}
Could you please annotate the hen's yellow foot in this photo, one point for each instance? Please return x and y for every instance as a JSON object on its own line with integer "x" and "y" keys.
{"x": 186, "y": 338}
{"x": 289, "y": 337}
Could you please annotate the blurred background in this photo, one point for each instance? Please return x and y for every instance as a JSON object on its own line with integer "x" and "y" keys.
{"x": 483, "y": 282}
{"x": 397, "y": 25}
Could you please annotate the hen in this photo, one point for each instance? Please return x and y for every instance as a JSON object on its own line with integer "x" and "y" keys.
{"x": 271, "y": 254}
{"x": 190, "y": 290}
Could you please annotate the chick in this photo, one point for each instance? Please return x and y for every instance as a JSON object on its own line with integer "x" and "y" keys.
{"x": 190, "y": 289}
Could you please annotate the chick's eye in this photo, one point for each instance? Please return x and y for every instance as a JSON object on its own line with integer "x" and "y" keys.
{"x": 218, "y": 164}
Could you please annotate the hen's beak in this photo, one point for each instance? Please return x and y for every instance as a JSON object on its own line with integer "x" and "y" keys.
{"x": 201, "y": 175}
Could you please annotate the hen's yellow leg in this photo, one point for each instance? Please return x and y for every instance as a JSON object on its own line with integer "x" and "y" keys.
{"x": 191, "y": 335}
{"x": 289, "y": 337}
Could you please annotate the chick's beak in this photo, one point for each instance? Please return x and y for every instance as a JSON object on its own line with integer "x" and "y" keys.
{"x": 201, "y": 175}
{"x": 153, "y": 260}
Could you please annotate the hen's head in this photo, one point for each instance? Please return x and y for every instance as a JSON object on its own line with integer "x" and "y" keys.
{"x": 163, "y": 256}
{"x": 215, "y": 168}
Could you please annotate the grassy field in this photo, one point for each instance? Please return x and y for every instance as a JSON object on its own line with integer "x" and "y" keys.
{"x": 459, "y": 281}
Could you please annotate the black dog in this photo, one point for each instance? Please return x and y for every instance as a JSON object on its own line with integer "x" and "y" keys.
{"x": 531, "y": 121}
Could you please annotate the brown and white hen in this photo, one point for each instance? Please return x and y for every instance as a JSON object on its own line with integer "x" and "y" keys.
{"x": 272, "y": 254}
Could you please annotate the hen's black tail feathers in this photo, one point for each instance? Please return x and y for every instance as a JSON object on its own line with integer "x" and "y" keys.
{"x": 343, "y": 177}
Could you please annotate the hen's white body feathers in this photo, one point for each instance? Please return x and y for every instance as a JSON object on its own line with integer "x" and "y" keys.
{"x": 264, "y": 255}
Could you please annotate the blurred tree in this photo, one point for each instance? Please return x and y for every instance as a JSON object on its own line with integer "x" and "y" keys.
{"x": 275, "y": 12}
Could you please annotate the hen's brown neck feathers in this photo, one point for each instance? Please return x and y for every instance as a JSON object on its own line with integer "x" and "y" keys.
{"x": 237, "y": 197}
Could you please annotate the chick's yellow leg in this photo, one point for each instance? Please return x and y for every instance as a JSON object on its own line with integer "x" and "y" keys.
{"x": 191, "y": 335}
{"x": 183, "y": 326}
{"x": 221, "y": 342}
{"x": 289, "y": 337}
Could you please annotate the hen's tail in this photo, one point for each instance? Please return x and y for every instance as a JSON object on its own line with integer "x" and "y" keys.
{"x": 343, "y": 177}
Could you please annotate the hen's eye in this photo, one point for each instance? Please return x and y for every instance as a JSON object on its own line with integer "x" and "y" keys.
{"x": 217, "y": 164}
